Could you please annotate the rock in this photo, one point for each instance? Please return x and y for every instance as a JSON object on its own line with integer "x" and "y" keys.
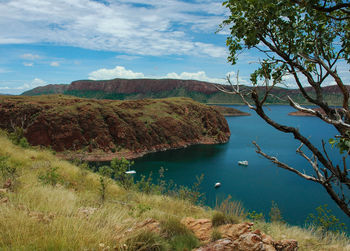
{"x": 41, "y": 217}
{"x": 234, "y": 231}
{"x": 3, "y": 190}
{"x": 147, "y": 225}
{"x": 218, "y": 245}
{"x": 4, "y": 200}
{"x": 237, "y": 237}
{"x": 86, "y": 211}
{"x": 249, "y": 242}
{"x": 286, "y": 245}
{"x": 201, "y": 228}
{"x": 8, "y": 184}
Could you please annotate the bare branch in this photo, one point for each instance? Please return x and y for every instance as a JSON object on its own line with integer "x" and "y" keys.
{"x": 326, "y": 119}
{"x": 283, "y": 165}
{"x": 313, "y": 163}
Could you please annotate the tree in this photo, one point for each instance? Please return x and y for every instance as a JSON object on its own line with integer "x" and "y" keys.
{"x": 119, "y": 168}
{"x": 306, "y": 40}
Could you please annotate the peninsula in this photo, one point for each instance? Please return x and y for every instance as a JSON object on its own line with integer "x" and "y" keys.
{"x": 100, "y": 130}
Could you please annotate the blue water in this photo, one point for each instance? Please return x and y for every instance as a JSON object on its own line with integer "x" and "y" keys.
{"x": 257, "y": 185}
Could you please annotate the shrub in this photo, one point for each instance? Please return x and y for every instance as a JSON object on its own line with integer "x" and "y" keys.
{"x": 231, "y": 208}
{"x": 254, "y": 216}
{"x": 7, "y": 170}
{"x": 275, "y": 213}
{"x": 147, "y": 240}
{"x": 325, "y": 220}
{"x": 192, "y": 194}
{"x": 145, "y": 185}
{"x": 50, "y": 177}
{"x": 119, "y": 167}
{"x": 17, "y": 137}
{"x": 172, "y": 227}
{"x": 181, "y": 238}
{"x": 184, "y": 242}
{"x": 215, "y": 235}
{"x": 219, "y": 218}
{"x": 105, "y": 173}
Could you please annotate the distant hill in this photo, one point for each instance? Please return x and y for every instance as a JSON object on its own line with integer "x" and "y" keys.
{"x": 200, "y": 91}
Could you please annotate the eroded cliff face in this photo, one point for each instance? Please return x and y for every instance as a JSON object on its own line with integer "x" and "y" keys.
{"x": 128, "y": 86}
{"x": 104, "y": 129}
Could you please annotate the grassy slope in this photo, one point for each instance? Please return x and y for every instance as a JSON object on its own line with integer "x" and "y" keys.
{"x": 71, "y": 231}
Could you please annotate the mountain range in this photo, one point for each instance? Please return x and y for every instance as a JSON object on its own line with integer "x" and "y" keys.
{"x": 131, "y": 89}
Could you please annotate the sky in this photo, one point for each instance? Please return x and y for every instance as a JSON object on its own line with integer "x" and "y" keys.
{"x": 59, "y": 41}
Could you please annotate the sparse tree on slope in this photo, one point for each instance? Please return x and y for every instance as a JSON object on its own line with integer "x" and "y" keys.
{"x": 305, "y": 40}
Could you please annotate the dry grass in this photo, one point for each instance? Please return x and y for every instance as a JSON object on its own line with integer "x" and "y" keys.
{"x": 46, "y": 217}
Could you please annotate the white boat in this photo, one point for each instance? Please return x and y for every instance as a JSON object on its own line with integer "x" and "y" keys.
{"x": 243, "y": 162}
{"x": 130, "y": 172}
{"x": 217, "y": 184}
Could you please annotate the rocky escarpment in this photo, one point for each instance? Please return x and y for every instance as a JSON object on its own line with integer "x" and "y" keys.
{"x": 204, "y": 92}
{"x": 100, "y": 130}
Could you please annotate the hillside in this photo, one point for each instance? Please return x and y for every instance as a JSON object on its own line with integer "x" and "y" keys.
{"x": 200, "y": 91}
{"x": 102, "y": 129}
{"x": 50, "y": 204}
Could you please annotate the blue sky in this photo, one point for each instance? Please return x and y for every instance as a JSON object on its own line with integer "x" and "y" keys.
{"x": 59, "y": 41}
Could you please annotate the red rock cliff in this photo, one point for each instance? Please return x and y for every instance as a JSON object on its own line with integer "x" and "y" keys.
{"x": 103, "y": 129}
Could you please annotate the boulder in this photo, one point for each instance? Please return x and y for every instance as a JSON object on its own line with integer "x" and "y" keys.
{"x": 201, "y": 228}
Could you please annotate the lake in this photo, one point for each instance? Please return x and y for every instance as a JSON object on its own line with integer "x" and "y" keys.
{"x": 257, "y": 185}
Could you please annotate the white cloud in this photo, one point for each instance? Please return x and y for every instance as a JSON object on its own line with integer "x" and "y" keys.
{"x": 201, "y": 76}
{"x": 13, "y": 89}
{"x": 37, "y": 82}
{"x": 127, "y": 57}
{"x": 121, "y": 72}
{"x": 28, "y": 64}
{"x": 138, "y": 27}
{"x": 117, "y": 72}
{"x": 30, "y": 56}
{"x": 55, "y": 64}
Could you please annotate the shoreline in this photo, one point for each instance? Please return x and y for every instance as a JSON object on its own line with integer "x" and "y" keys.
{"x": 130, "y": 155}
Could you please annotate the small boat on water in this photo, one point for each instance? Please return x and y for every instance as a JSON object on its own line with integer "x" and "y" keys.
{"x": 243, "y": 162}
{"x": 218, "y": 184}
{"x": 130, "y": 172}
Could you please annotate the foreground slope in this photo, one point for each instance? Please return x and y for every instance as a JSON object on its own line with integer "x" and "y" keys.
{"x": 103, "y": 129}
{"x": 69, "y": 215}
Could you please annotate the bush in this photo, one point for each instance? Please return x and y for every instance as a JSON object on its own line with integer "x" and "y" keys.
{"x": 50, "y": 177}
{"x": 215, "y": 235}
{"x": 230, "y": 208}
{"x": 181, "y": 238}
{"x": 7, "y": 171}
{"x": 148, "y": 240}
{"x": 145, "y": 185}
{"x": 275, "y": 213}
{"x": 17, "y": 137}
{"x": 192, "y": 194}
{"x": 184, "y": 242}
{"x": 325, "y": 220}
{"x": 254, "y": 216}
{"x": 119, "y": 167}
{"x": 219, "y": 218}
{"x": 172, "y": 227}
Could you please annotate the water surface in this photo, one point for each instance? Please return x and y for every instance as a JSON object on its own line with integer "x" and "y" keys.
{"x": 257, "y": 185}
